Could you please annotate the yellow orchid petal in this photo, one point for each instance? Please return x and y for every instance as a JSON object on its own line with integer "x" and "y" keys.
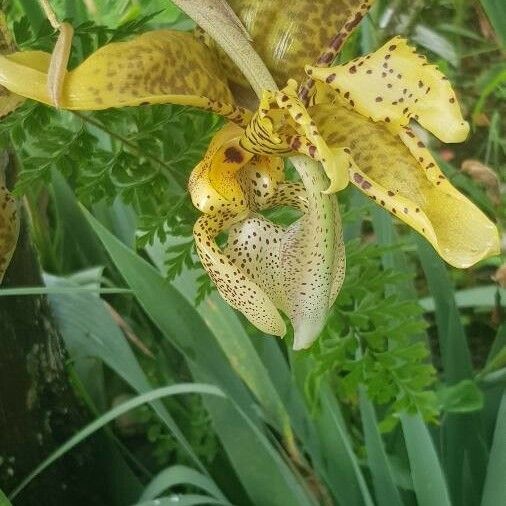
{"x": 234, "y": 285}
{"x": 259, "y": 180}
{"x": 213, "y": 183}
{"x": 222, "y": 210}
{"x": 395, "y": 84}
{"x": 9, "y": 228}
{"x": 8, "y": 101}
{"x": 265, "y": 268}
{"x": 401, "y": 175}
{"x": 336, "y": 162}
{"x": 156, "y": 67}
{"x": 288, "y": 35}
{"x": 282, "y": 125}
{"x": 312, "y": 257}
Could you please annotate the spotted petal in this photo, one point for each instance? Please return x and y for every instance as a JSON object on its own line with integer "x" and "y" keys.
{"x": 156, "y": 67}
{"x": 265, "y": 268}
{"x": 282, "y": 125}
{"x": 399, "y": 173}
{"x": 288, "y": 35}
{"x": 395, "y": 84}
{"x": 299, "y": 268}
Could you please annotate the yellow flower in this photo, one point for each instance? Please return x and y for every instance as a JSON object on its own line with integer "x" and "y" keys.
{"x": 353, "y": 119}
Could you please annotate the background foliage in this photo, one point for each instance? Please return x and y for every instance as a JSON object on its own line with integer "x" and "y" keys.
{"x": 401, "y": 401}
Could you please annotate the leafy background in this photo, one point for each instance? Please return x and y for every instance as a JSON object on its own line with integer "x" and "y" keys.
{"x": 401, "y": 401}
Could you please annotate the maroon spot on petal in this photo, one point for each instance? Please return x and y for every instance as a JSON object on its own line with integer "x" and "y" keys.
{"x": 330, "y": 78}
{"x": 233, "y": 155}
{"x": 391, "y": 193}
{"x": 366, "y": 185}
{"x": 353, "y": 69}
{"x": 358, "y": 178}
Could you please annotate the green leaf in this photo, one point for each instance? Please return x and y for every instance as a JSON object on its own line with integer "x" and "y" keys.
{"x": 262, "y": 471}
{"x": 179, "y": 475}
{"x": 496, "y": 12}
{"x": 88, "y": 327}
{"x": 480, "y": 296}
{"x": 184, "y": 500}
{"x": 465, "y": 453}
{"x": 382, "y": 475}
{"x": 3, "y": 500}
{"x": 462, "y": 397}
{"x": 48, "y": 290}
{"x": 345, "y": 475}
{"x": 494, "y": 492}
{"x": 428, "y": 477}
{"x": 148, "y": 397}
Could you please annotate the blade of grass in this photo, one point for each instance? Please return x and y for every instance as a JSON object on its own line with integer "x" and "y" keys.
{"x": 480, "y": 296}
{"x": 349, "y": 485}
{"x": 89, "y": 330}
{"x": 148, "y": 397}
{"x": 462, "y": 434}
{"x": 3, "y": 500}
{"x": 180, "y": 475}
{"x": 53, "y": 290}
{"x": 428, "y": 478}
{"x": 384, "y": 485}
{"x": 496, "y": 12}
{"x": 494, "y": 492}
{"x": 423, "y": 464}
{"x": 184, "y": 500}
{"x": 235, "y": 342}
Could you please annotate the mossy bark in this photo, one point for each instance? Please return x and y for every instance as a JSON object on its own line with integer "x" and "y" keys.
{"x": 38, "y": 407}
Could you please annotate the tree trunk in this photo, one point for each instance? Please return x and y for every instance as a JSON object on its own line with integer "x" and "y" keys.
{"x": 38, "y": 408}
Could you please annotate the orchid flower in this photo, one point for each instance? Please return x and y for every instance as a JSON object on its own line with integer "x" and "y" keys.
{"x": 352, "y": 120}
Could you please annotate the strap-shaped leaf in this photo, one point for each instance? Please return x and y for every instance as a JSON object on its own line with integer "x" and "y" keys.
{"x": 400, "y": 174}
{"x": 156, "y": 67}
{"x": 395, "y": 84}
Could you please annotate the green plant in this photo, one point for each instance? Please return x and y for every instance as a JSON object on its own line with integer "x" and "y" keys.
{"x": 391, "y": 407}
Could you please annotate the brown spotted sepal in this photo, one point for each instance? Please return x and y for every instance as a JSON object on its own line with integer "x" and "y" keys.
{"x": 288, "y": 35}
{"x": 9, "y": 228}
{"x": 398, "y": 172}
{"x": 396, "y": 84}
{"x": 156, "y": 67}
